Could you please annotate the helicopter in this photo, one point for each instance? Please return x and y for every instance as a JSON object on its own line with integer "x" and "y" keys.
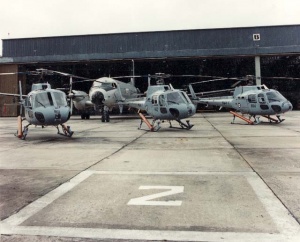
{"x": 163, "y": 103}
{"x": 103, "y": 96}
{"x": 255, "y": 100}
{"x": 43, "y": 106}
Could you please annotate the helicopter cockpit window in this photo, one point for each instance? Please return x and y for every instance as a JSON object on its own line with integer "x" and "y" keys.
{"x": 162, "y": 100}
{"x": 43, "y": 99}
{"x": 154, "y": 99}
{"x": 186, "y": 97}
{"x": 60, "y": 99}
{"x": 28, "y": 101}
{"x": 252, "y": 98}
{"x": 275, "y": 97}
{"x": 174, "y": 97}
{"x": 261, "y": 98}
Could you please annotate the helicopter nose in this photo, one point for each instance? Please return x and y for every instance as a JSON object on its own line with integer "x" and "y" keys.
{"x": 288, "y": 106}
{"x": 97, "y": 97}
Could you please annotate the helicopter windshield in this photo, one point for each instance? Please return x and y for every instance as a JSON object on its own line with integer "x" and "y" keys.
{"x": 274, "y": 96}
{"x": 60, "y": 99}
{"x": 174, "y": 97}
{"x": 186, "y": 97}
{"x": 43, "y": 99}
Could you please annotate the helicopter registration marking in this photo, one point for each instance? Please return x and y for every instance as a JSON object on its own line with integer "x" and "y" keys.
{"x": 144, "y": 201}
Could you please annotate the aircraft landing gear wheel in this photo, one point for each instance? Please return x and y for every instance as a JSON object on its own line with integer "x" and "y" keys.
{"x": 105, "y": 117}
{"x": 85, "y": 116}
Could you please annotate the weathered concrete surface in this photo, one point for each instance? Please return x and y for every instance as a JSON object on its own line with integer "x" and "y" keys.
{"x": 240, "y": 182}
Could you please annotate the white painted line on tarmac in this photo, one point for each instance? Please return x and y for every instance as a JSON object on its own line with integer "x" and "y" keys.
{"x": 289, "y": 229}
{"x": 93, "y": 233}
{"x": 285, "y": 223}
{"x": 47, "y": 199}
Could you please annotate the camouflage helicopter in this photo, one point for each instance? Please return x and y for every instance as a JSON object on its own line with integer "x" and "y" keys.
{"x": 255, "y": 100}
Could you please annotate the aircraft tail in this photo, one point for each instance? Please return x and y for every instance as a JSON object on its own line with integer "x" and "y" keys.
{"x": 193, "y": 94}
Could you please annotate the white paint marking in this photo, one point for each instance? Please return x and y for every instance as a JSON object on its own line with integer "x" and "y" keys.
{"x": 144, "y": 201}
{"x": 47, "y": 199}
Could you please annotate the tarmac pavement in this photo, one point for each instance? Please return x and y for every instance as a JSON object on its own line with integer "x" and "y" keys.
{"x": 113, "y": 182}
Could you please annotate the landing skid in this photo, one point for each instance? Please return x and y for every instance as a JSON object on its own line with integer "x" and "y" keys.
{"x": 66, "y": 130}
{"x": 186, "y": 126}
{"x": 256, "y": 119}
{"x": 271, "y": 120}
{"x": 155, "y": 126}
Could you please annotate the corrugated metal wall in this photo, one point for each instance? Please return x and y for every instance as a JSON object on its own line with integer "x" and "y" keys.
{"x": 187, "y": 43}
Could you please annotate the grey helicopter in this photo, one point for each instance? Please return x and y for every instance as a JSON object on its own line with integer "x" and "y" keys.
{"x": 254, "y": 100}
{"x": 104, "y": 95}
{"x": 163, "y": 103}
{"x": 43, "y": 107}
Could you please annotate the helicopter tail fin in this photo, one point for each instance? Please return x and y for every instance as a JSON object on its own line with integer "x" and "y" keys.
{"x": 132, "y": 81}
{"x": 193, "y": 94}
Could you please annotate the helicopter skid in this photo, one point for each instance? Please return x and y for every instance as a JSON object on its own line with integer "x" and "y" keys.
{"x": 66, "y": 130}
{"x": 187, "y": 126}
{"x": 278, "y": 120}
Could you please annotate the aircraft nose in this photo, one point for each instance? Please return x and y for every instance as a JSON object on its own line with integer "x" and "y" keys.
{"x": 287, "y": 106}
{"x": 97, "y": 97}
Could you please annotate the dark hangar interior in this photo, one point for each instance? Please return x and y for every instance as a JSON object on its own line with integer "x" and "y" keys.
{"x": 226, "y": 52}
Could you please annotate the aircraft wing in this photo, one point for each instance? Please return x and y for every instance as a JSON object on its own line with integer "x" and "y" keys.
{"x": 89, "y": 104}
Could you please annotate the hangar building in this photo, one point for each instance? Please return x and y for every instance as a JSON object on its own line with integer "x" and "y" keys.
{"x": 265, "y": 52}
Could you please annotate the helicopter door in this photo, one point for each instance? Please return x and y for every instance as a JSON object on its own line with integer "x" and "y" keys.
{"x": 262, "y": 101}
{"x": 28, "y": 107}
{"x": 243, "y": 104}
{"x": 252, "y": 100}
{"x": 162, "y": 104}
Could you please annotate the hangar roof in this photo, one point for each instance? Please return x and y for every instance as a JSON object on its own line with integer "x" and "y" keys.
{"x": 249, "y": 41}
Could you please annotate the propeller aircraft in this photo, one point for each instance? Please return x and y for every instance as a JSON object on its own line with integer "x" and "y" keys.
{"x": 43, "y": 107}
{"x": 254, "y": 100}
{"x": 104, "y": 95}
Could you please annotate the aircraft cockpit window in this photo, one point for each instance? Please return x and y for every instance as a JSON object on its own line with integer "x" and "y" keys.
{"x": 174, "y": 97}
{"x": 252, "y": 98}
{"x": 60, "y": 99}
{"x": 162, "y": 100}
{"x": 107, "y": 86}
{"x": 261, "y": 98}
{"x": 28, "y": 101}
{"x": 154, "y": 99}
{"x": 43, "y": 100}
{"x": 275, "y": 97}
{"x": 185, "y": 97}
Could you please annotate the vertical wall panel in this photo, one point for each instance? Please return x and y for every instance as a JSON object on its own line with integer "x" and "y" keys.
{"x": 8, "y": 84}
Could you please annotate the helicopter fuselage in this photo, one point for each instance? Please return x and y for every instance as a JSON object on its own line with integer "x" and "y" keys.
{"x": 253, "y": 102}
{"x": 46, "y": 107}
{"x": 168, "y": 104}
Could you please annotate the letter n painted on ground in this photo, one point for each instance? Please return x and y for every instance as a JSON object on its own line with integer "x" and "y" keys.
{"x": 145, "y": 200}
